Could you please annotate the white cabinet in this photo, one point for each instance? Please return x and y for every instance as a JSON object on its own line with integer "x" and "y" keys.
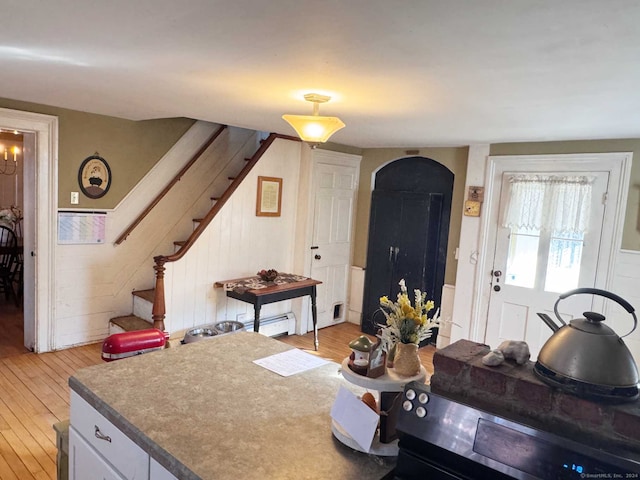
{"x": 158, "y": 472}
{"x": 118, "y": 450}
{"x": 98, "y": 450}
{"x": 85, "y": 462}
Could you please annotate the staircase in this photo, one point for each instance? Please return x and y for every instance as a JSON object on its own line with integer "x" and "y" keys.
{"x": 148, "y": 304}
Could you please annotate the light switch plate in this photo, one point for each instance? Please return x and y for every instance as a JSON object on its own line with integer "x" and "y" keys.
{"x": 75, "y": 198}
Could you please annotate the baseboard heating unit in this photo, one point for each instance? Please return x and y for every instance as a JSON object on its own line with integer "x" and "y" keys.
{"x": 276, "y": 325}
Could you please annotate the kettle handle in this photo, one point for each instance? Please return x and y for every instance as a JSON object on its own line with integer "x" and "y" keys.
{"x": 603, "y": 293}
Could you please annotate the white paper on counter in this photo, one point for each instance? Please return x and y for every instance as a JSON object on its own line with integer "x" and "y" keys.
{"x": 290, "y": 362}
{"x": 355, "y": 418}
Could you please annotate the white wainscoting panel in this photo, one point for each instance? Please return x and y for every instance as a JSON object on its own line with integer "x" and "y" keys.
{"x": 356, "y": 292}
{"x": 94, "y": 282}
{"x": 446, "y": 316}
{"x": 237, "y": 243}
{"x": 625, "y": 284}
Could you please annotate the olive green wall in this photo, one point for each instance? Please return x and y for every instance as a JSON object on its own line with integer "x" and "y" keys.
{"x": 454, "y": 158}
{"x": 631, "y": 233}
{"x": 130, "y": 148}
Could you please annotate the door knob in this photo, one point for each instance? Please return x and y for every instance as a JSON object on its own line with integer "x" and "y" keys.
{"x": 497, "y": 273}
{"x": 317, "y": 257}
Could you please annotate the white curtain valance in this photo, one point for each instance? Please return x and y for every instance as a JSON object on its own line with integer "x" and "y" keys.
{"x": 560, "y": 204}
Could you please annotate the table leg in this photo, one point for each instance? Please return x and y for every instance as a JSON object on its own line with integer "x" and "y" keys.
{"x": 314, "y": 317}
{"x": 256, "y": 317}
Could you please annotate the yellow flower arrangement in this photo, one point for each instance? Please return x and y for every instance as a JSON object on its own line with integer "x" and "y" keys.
{"x": 407, "y": 323}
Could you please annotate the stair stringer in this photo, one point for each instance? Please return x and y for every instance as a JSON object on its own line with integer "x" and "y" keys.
{"x": 237, "y": 243}
{"x": 171, "y": 219}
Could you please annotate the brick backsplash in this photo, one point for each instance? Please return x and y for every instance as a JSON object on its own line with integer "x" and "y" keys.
{"x": 514, "y": 391}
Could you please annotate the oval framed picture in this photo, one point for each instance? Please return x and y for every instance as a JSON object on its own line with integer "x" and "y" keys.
{"x": 94, "y": 176}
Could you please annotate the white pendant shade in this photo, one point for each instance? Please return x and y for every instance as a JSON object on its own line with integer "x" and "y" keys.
{"x": 314, "y": 128}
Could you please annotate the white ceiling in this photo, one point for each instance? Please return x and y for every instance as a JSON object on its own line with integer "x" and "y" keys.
{"x": 404, "y": 73}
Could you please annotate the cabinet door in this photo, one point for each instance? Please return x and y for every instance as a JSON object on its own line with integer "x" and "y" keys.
{"x": 405, "y": 236}
{"x": 104, "y": 437}
{"x": 85, "y": 462}
{"x": 379, "y": 273}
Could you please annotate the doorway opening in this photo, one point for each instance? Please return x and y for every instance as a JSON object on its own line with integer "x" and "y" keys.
{"x": 12, "y": 183}
{"x": 474, "y": 297}
{"x": 40, "y": 146}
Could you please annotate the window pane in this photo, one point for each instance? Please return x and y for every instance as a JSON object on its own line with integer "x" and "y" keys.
{"x": 523, "y": 257}
{"x": 563, "y": 266}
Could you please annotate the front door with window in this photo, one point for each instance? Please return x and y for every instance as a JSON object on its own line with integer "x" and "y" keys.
{"x": 536, "y": 259}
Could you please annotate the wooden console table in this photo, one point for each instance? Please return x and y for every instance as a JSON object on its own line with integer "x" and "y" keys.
{"x": 258, "y": 292}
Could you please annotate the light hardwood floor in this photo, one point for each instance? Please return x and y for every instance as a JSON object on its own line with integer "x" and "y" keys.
{"x": 34, "y": 391}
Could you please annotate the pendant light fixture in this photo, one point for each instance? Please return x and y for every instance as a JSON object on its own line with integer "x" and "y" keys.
{"x": 314, "y": 128}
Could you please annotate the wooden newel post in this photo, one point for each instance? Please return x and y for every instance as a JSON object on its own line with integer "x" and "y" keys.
{"x": 159, "y": 308}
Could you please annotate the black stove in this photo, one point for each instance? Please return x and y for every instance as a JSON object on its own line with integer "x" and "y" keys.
{"x": 441, "y": 438}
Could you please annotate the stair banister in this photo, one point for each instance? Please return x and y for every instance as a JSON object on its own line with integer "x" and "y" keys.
{"x": 123, "y": 236}
{"x": 159, "y": 307}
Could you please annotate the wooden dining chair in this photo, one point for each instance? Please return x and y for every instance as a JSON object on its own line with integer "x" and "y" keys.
{"x": 8, "y": 262}
{"x": 18, "y": 273}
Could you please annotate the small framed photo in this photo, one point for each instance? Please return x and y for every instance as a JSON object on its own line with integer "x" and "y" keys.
{"x": 94, "y": 176}
{"x": 269, "y": 200}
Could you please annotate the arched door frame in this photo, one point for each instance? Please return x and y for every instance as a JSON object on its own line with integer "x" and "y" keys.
{"x": 41, "y": 242}
{"x": 416, "y": 188}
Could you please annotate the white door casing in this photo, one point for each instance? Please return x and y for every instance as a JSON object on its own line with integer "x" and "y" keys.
{"x": 333, "y": 192}
{"x": 39, "y": 235}
{"x": 618, "y": 165}
{"x": 513, "y": 307}
{"x": 473, "y": 279}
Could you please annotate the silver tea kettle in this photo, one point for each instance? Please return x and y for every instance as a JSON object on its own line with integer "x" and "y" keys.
{"x": 586, "y": 357}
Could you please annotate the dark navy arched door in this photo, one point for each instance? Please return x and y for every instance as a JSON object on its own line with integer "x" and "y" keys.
{"x": 408, "y": 233}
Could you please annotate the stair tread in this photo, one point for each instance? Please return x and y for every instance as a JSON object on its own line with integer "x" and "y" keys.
{"x": 130, "y": 323}
{"x": 148, "y": 295}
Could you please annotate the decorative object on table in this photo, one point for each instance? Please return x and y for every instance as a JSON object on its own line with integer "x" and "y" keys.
{"x": 10, "y": 216}
{"x": 268, "y": 275}
{"x": 406, "y": 362}
{"x": 360, "y": 350}
{"x": 269, "y": 201}
{"x": 406, "y": 326}
{"x": 509, "y": 349}
{"x": 94, "y": 176}
{"x": 367, "y": 358}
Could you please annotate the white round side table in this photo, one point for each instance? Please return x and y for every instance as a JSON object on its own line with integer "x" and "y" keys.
{"x": 388, "y": 385}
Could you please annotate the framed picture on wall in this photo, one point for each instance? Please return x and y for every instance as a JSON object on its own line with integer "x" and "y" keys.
{"x": 94, "y": 176}
{"x": 269, "y": 199}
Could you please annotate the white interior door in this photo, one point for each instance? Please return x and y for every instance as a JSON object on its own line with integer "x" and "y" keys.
{"x": 334, "y": 199}
{"x": 29, "y": 231}
{"x": 532, "y": 267}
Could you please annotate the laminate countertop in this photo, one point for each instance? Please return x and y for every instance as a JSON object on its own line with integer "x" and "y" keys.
{"x": 205, "y": 411}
